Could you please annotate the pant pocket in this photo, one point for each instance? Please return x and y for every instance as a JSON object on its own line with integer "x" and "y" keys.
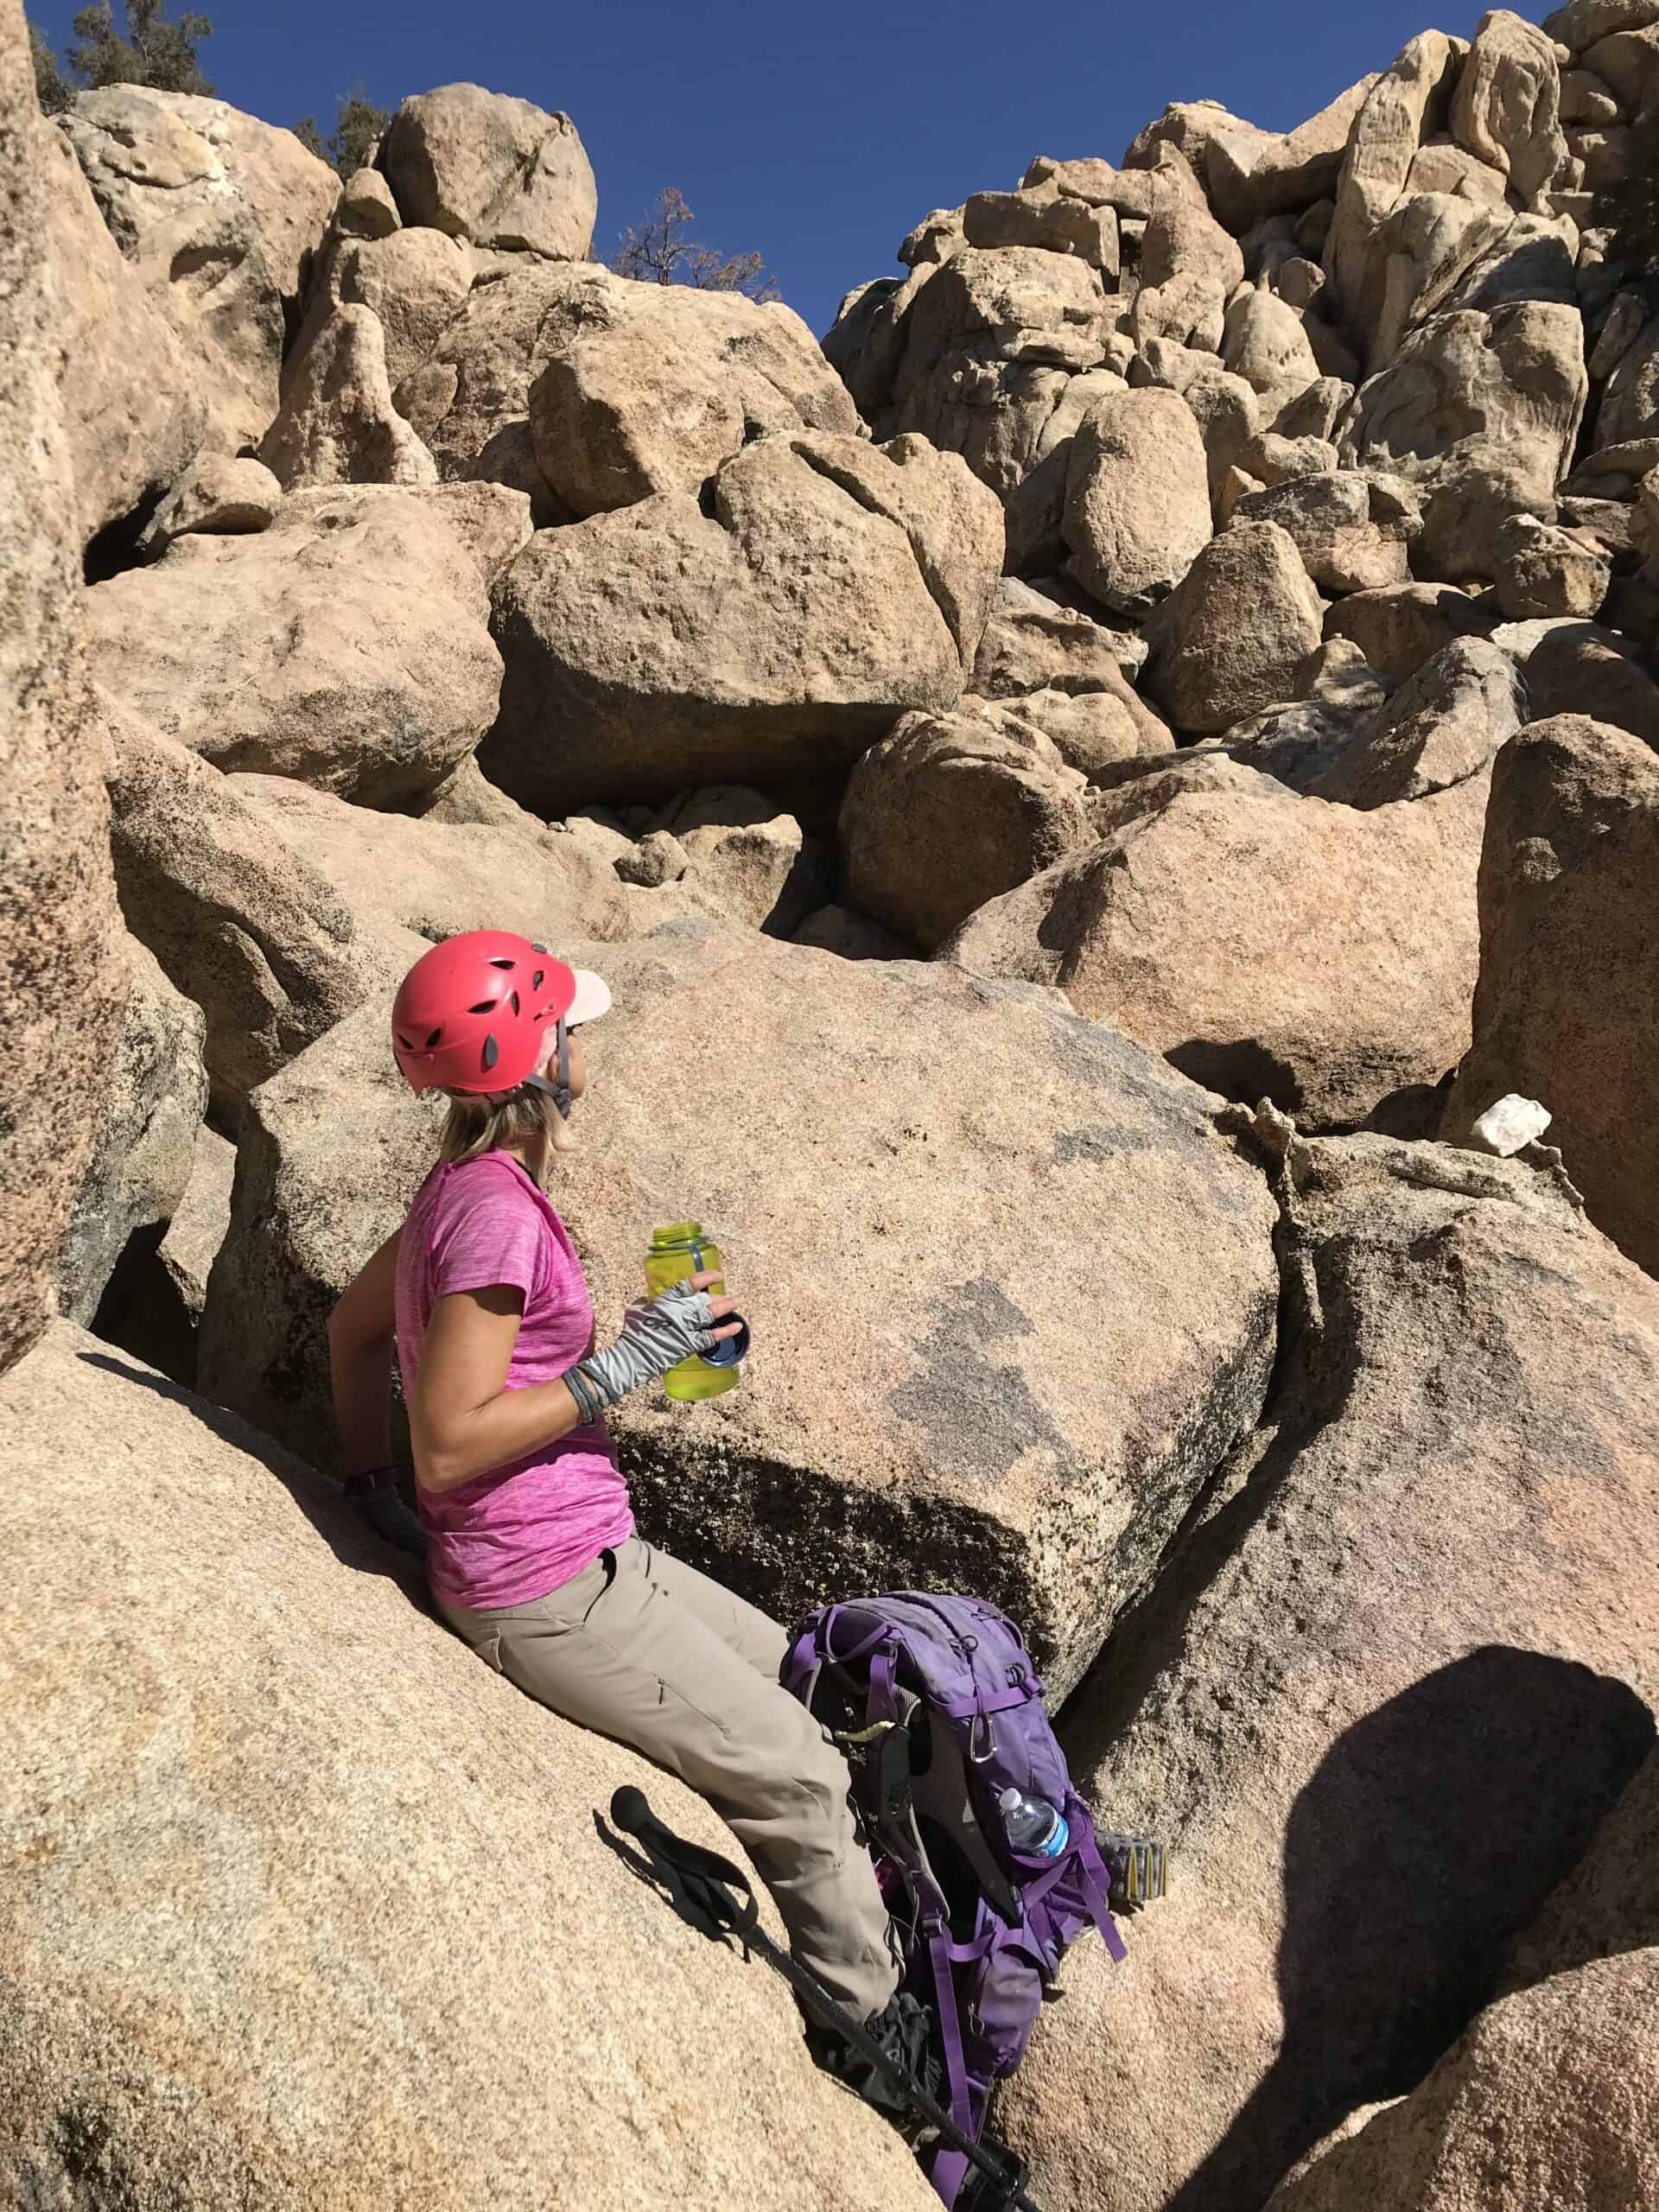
{"x": 607, "y": 1566}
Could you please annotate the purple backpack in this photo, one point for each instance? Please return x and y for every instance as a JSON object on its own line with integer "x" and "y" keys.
{"x": 934, "y": 1702}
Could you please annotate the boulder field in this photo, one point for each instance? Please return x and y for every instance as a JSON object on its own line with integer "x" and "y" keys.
{"x": 1116, "y": 796}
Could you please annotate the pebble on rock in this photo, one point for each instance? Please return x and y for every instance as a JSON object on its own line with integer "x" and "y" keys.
{"x": 1509, "y": 1125}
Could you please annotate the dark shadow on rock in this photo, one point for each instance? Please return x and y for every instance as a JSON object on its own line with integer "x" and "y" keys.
{"x": 1414, "y": 1113}
{"x": 1427, "y": 1841}
{"x": 322, "y": 1501}
{"x": 1244, "y": 1070}
{"x": 141, "y": 1311}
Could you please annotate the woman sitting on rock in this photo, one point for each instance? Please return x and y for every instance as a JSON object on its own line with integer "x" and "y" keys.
{"x": 529, "y": 1537}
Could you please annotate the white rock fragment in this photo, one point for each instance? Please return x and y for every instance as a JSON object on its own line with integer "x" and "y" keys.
{"x": 1509, "y": 1126}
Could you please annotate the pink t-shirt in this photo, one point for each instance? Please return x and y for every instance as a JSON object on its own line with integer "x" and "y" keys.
{"x": 515, "y": 1533}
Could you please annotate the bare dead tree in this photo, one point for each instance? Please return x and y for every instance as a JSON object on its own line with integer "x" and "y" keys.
{"x": 660, "y": 250}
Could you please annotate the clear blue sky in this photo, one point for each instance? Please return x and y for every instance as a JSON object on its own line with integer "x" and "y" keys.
{"x": 819, "y": 134}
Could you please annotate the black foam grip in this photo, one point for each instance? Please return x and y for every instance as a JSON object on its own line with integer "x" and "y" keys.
{"x": 630, "y": 1812}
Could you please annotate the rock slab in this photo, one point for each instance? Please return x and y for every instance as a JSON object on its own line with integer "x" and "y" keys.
{"x": 1269, "y": 946}
{"x": 291, "y": 1873}
{"x": 1565, "y": 1009}
{"x": 1422, "y": 1635}
{"x": 58, "y": 916}
{"x": 1031, "y": 1413}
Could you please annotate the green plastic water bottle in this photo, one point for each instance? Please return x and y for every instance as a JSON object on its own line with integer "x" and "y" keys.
{"x": 678, "y": 1251}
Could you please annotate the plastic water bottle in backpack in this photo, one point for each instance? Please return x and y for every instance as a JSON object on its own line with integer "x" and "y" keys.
{"x": 1034, "y": 1825}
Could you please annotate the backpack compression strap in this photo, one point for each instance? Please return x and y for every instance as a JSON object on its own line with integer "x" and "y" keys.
{"x": 704, "y": 1888}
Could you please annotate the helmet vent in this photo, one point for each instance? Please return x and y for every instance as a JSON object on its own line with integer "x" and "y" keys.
{"x": 536, "y": 980}
{"x": 504, "y": 963}
{"x": 487, "y": 1006}
{"x": 491, "y": 1051}
{"x": 433, "y": 1039}
{"x": 513, "y": 1001}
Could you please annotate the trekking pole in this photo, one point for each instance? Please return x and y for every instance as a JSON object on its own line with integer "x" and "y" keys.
{"x": 700, "y": 1886}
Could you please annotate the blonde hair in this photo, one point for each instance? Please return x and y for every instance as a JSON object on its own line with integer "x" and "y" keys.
{"x": 529, "y": 1118}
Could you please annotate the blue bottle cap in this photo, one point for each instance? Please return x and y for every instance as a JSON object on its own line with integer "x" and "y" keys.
{"x": 734, "y": 1351}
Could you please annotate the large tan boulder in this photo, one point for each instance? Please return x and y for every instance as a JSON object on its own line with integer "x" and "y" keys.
{"x": 745, "y": 861}
{"x": 345, "y": 646}
{"x": 1182, "y": 237}
{"x": 1251, "y": 184}
{"x": 1545, "y": 2098}
{"x": 1380, "y": 1701}
{"x": 1565, "y": 1010}
{"x": 469, "y": 402}
{"x": 1400, "y": 627}
{"x": 1137, "y": 498}
{"x": 648, "y": 388}
{"x": 1408, "y": 103}
{"x": 1581, "y": 668}
{"x": 1065, "y": 674}
{"x": 1034, "y": 642}
{"x": 58, "y": 916}
{"x": 408, "y": 883}
{"x": 1481, "y": 411}
{"x": 133, "y": 413}
{"x": 1187, "y": 310}
{"x": 1442, "y": 727}
{"x": 1628, "y": 414}
{"x": 1043, "y": 216}
{"x": 219, "y": 214}
{"x": 1032, "y": 1412}
{"x": 1508, "y": 104}
{"x": 1100, "y": 733}
{"x": 295, "y": 1878}
{"x": 154, "y": 1093}
{"x": 1232, "y": 636}
{"x": 417, "y": 280}
{"x": 1354, "y": 529}
{"x": 1097, "y": 183}
{"x": 262, "y": 942}
{"x": 953, "y": 811}
{"x": 1546, "y": 574}
{"x": 834, "y": 585}
{"x": 1197, "y": 130}
{"x": 1265, "y": 341}
{"x": 337, "y": 424}
{"x": 864, "y": 343}
{"x": 1268, "y": 945}
{"x": 1583, "y": 24}
{"x": 218, "y": 496}
{"x": 1627, "y": 60}
{"x": 975, "y": 353}
{"x": 1035, "y": 512}
{"x": 499, "y": 172}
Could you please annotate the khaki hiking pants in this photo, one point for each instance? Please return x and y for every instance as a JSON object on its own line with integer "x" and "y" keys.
{"x": 643, "y": 1648}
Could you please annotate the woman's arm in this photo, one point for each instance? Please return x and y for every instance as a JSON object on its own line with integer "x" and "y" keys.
{"x": 462, "y": 1418}
{"x": 361, "y": 1331}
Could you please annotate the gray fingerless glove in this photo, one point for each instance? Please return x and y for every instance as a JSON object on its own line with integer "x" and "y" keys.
{"x": 657, "y": 1334}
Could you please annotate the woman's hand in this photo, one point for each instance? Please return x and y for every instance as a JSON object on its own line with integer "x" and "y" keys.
{"x": 658, "y": 1333}
{"x": 718, "y": 1307}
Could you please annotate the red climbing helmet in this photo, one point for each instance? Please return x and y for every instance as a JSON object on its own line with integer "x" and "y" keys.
{"x": 472, "y": 1014}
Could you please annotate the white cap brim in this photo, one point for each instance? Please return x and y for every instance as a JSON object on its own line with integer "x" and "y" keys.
{"x": 592, "y": 1001}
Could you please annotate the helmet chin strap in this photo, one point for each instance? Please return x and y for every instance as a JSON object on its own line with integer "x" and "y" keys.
{"x": 560, "y": 1091}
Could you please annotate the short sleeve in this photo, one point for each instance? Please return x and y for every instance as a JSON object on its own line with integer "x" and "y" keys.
{"x": 494, "y": 1235}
